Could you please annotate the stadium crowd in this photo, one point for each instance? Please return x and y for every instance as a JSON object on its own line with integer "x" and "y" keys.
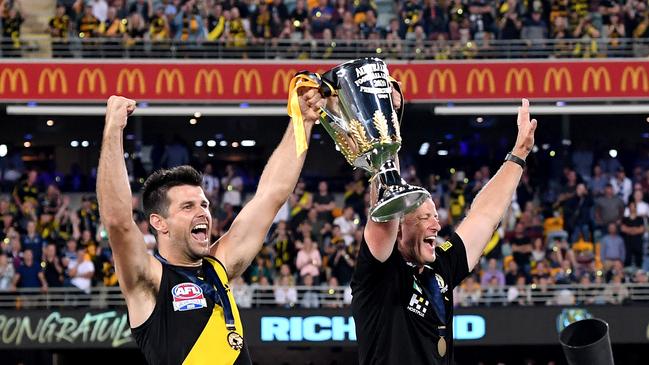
{"x": 589, "y": 227}
{"x": 438, "y": 29}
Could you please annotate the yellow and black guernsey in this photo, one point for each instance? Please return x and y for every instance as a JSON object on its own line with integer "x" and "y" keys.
{"x": 195, "y": 320}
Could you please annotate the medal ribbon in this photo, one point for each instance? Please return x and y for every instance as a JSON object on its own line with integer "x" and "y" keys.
{"x": 294, "y": 111}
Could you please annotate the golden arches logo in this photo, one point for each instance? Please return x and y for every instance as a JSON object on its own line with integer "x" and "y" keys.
{"x": 14, "y": 76}
{"x": 442, "y": 77}
{"x": 247, "y": 76}
{"x": 637, "y": 74}
{"x": 481, "y": 76}
{"x": 406, "y": 77}
{"x": 52, "y": 76}
{"x": 131, "y": 76}
{"x": 91, "y": 77}
{"x": 596, "y": 74}
{"x": 171, "y": 78}
{"x": 519, "y": 75}
{"x": 283, "y": 78}
{"x": 557, "y": 77}
{"x": 209, "y": 79}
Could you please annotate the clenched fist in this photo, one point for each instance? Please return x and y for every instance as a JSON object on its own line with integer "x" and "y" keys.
{"x": 118, "y": 109}
{"x": 310, "y": 103}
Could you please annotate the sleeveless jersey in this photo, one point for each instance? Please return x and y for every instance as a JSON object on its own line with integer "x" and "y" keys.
{"x": 186, "y": 327}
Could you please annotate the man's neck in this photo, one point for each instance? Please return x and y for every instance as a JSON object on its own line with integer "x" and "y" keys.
{"x": 178, "y": 259}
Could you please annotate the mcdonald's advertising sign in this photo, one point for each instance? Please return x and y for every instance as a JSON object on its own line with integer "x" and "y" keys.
{"x": 189, "y": 81}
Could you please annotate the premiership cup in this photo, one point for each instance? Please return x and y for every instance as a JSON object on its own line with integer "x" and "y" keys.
{"x": 362, "y": 121}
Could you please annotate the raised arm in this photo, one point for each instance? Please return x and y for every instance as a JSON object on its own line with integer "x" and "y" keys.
{"x": 489, "y": 206}
{"x": 239, "y": 246}
{"x": 380, "y": 237}
{"x": 134, "y": 267}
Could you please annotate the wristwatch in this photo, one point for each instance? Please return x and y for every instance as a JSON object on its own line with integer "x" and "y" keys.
{"x": 515, "y": 159}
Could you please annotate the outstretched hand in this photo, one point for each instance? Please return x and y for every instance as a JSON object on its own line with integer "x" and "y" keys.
{"x": 526, "y": 129}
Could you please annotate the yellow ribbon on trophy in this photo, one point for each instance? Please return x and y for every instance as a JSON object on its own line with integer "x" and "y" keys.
{"x": 294, "y": 111}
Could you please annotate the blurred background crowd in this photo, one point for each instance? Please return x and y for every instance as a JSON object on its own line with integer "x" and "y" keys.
{"x": 559, "y": 243}
{"x": 420, "y": 29}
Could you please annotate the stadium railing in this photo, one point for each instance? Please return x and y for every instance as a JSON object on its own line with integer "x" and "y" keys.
{"x": 258, "y": 296}
{"x": 321, "y": 49}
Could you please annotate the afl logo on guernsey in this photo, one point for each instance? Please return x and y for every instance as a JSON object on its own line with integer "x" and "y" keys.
{"x": 187, "y": 296}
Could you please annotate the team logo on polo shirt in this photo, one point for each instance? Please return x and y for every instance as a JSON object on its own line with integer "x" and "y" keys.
{"x": 188, "y": 296}
{"x": 443, "y": 288}
{"x": 418, "y": 304}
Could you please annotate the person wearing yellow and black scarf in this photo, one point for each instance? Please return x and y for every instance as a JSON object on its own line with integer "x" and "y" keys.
{"x": 114, "y": 29}
{"x": 237, "y": 34}
{"x": 160, "y": 33}
{"x": 216, "y": 23}
{"x": 59, "y": 31}
{"x": 11, "y": 21}
{"x": 262, "y": 22}
{"x": 88, "y": 27}
{"x": 411, "y": 16}
{"x": 190, "y": 30}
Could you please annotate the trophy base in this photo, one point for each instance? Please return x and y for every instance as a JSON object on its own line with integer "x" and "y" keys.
{"x": 396, "y": 201}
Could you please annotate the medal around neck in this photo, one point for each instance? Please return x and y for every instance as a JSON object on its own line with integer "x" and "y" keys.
{"x": 441, "y": 346}
{"x": 362, "y": 121}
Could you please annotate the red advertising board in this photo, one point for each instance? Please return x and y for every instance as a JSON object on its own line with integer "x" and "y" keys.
{"x": 223, "y": 82}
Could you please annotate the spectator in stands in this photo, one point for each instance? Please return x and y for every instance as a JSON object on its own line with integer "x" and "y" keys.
{"x": 521, "y": 248}
{"x": 142, "y": 7}
{"x": 242, "y": 292}
{"x": 343, "y": 262}
{"x": 633, "y": 228}
{"x": 285, "y": 293}
{"x": 160, "y": 33}
{"x": 538, "y": 250}
{"x": 347, "y": 223}
{"x": 323, "y": 202}
{"x": 469, "y": 293}
{"x": 616, "y": 292}
{"x": 33, "y": 241}
{"x": 29, "y": 273}
{"x": 608, "y": 208}
{"x": 59, "y": 27}
{"x": 321, "y": 18}
{"x": 232, "y": 184}
{"x": 26, "y": 190}
{"x": 309, "y": 297}
{"x": 263, "y": 294}
{"x": 7, "y": 273}
{"x": 88, "y": 215}
{"x": 493, "y": 293}
{"x": 283, "y": 246}
{"x": 331, "y": 296}
{"x": 642, "y": 208}
{"x": 11, "y": 20}
{"x": 259, "y": 269}
{"x": 15, "y": 249}
{"x": 81, "y": 271}
{"x": 577, "y": 214}
{"x": 621, "y": 184}
{"x": 534, "y": 31}
{"x": 52, "y": 269}
{"x": 520, "y": 293}
{"x": 493, "y": 272}
{"x": 308, "y": 260}
{"x": 598, "y": 182}
{"x": 565, "y": 275}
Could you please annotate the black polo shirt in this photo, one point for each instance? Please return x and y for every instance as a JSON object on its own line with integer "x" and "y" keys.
{"x": 395, "y": 320}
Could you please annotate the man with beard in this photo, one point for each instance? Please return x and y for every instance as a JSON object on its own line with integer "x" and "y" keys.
{"x": 180, "y": 306}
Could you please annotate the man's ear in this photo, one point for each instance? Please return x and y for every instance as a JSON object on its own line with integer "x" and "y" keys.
{"x": 159, "y": 223}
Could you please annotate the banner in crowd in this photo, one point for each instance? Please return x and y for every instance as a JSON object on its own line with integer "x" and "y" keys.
{"x": 230, "y": 81}
{"x": 82, "y": 328}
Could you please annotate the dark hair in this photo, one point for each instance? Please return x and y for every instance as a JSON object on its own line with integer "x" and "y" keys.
{"x": 154, "y": 191}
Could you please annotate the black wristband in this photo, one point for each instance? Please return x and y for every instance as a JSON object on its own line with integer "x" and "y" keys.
{"x": 515, "y": 159}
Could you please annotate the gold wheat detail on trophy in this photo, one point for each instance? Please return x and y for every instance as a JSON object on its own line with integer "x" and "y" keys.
{"x": 381, "y": 125}
{"x": 341, "y": 139}
{"x": 359, "y": 136}
{"x": 397, "y": 127}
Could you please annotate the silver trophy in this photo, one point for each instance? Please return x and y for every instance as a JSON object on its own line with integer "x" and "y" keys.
{"x": 362, "y": 121}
